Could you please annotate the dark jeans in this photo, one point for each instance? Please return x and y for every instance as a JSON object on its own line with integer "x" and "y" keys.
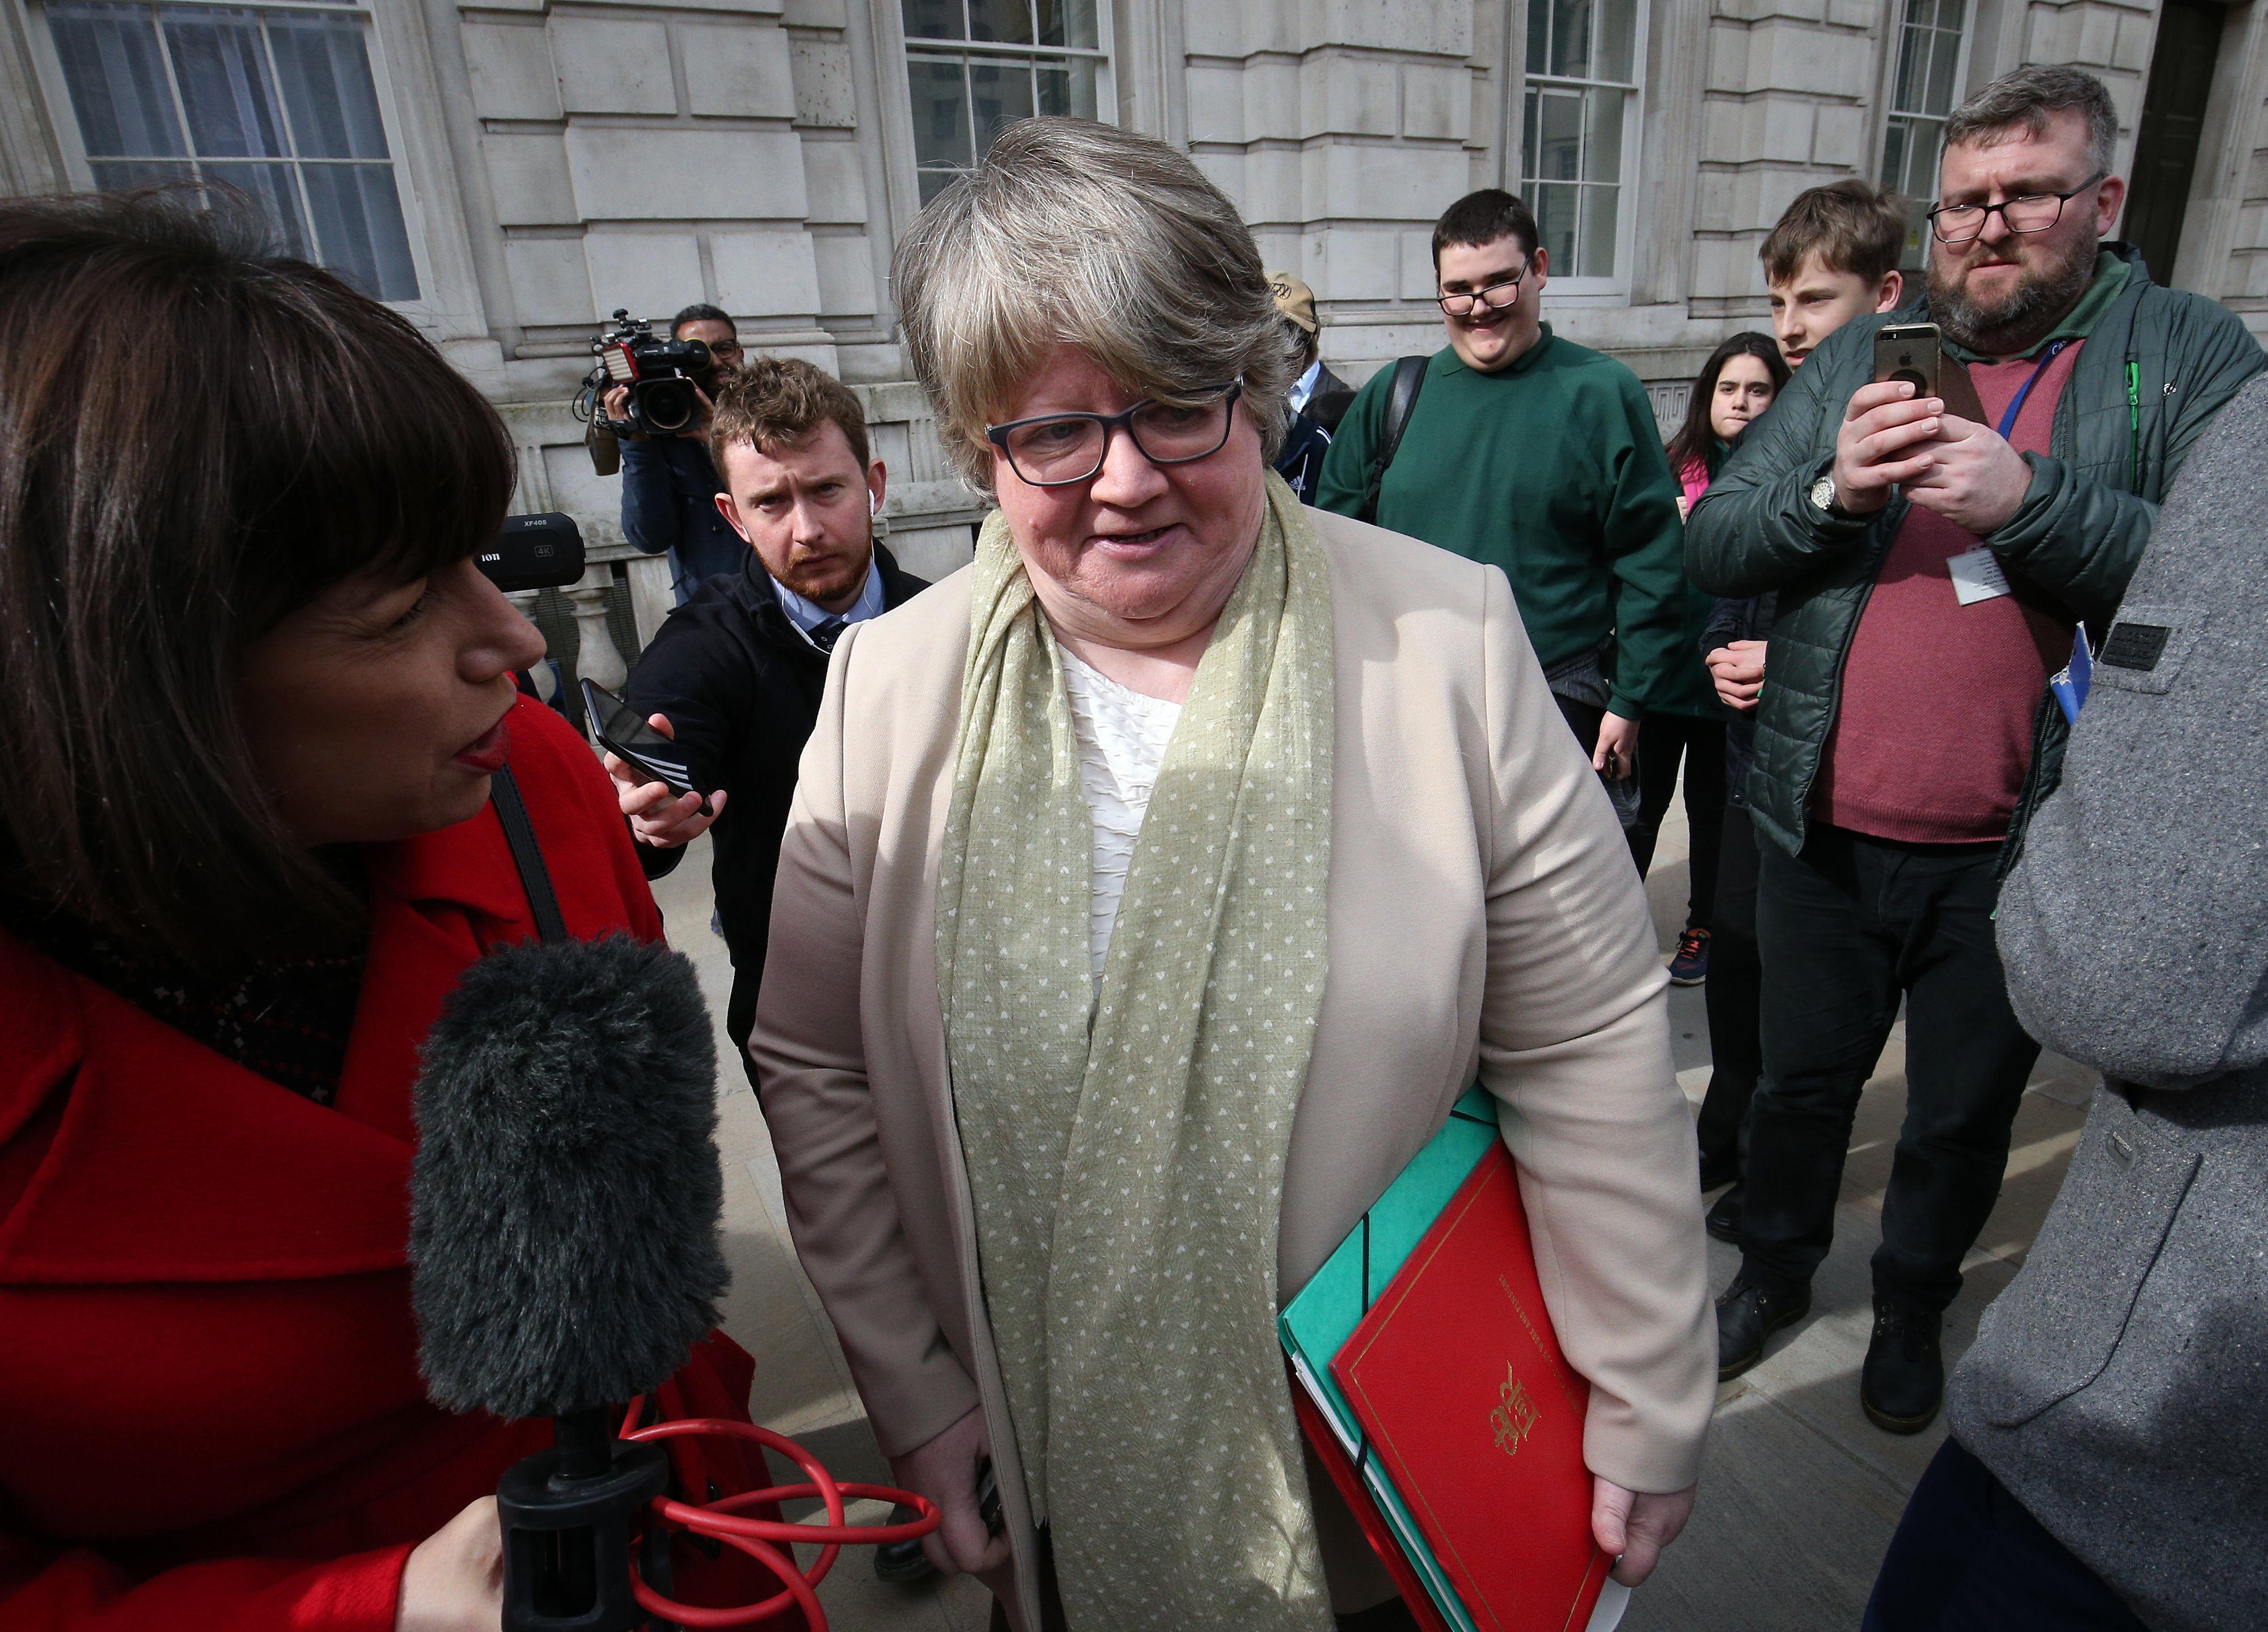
{"x": 1968, "y": 1558}
{"x": 1735, "y": 981}
{"x": 1583, "y": 720}
{"x": 1844, "y": 929}
{"x": 1663, "y": 740}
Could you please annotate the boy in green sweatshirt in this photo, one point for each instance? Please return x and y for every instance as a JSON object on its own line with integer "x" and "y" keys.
{"x": 1541, "y": 457}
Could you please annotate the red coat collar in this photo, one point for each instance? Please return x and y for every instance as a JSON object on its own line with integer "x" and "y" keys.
{"x": 173, "y": 1163}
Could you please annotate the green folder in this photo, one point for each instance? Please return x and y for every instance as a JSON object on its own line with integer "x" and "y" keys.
{"x": 1319, "y": 1321}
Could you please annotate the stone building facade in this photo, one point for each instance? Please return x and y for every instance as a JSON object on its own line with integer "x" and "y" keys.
{"x": 510, "y": 171}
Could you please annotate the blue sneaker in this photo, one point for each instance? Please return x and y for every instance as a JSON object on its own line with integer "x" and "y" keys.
{"x": 1690, "y": 966}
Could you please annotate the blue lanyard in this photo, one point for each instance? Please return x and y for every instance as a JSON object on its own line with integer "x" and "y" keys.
{"x": 2008, "y": 419}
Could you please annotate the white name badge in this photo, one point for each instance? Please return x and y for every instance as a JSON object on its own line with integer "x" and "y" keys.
{"x": 1976, "y": 576}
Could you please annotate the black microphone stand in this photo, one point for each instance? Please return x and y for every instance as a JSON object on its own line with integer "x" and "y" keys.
{"x": 566, "y": 1514}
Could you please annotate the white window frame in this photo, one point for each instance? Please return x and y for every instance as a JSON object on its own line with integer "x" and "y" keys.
{"x": 1894, "y": 49}
{"x": 63, "y": 116}
{"x": 1601, "y": 290}
{"x": 896, "y": 49}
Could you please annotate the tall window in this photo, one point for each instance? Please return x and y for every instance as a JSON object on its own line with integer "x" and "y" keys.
{"x": 975, "y": 65}
{"x": 1582, "y": 100}
{"x": 278, "y": 104}
{"x": 1931, "y": 43}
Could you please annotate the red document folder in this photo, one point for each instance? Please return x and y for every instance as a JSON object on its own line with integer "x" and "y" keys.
{"x": 1457, "y": 1377}
{"x": 1375, "y": 1527}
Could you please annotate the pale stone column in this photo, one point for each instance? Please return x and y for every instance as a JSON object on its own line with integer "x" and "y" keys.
{"x": 596, "y": 659}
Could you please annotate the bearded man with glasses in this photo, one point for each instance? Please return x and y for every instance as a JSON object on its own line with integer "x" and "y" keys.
{"x": 1539, "y": 456}
{"x": 1934, "y": 557}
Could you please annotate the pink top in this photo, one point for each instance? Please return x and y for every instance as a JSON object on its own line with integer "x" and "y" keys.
{"x": 1694, "y": 478}
{"x": 1933, "y": 733}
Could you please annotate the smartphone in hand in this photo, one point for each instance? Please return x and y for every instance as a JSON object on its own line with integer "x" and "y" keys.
{"x": 622, "y": 731}
{"x": 1913, "y": 352}
{"x": 988, "y": 1499}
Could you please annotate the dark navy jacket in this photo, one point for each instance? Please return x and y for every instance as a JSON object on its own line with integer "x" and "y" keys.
{"x": 669, "y": 503}
{"x": 1301, "y": 463}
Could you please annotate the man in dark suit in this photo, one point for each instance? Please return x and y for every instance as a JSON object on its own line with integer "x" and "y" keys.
{"x": 1320, "y": 400}
{"x": 734, "y": 674}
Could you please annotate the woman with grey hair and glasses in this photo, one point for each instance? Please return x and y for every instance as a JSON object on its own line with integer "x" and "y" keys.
{"x": 1154, "y": 888}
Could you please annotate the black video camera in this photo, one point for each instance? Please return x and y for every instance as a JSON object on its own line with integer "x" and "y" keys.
{"x": 535, "y": 552}
{"x": 664, "y": 377}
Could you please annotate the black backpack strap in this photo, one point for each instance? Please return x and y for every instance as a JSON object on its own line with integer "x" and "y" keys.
{"x": 526, "y": 854}
{"x": 1401, "y": 402}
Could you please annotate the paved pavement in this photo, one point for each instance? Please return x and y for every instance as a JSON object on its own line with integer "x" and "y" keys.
{"x": 1800, "y": 1494}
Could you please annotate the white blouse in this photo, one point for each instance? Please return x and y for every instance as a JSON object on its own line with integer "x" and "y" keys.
{"x": 1122, "y": 741}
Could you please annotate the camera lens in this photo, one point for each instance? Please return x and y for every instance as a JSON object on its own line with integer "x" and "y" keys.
{"x": 668, "y": 406}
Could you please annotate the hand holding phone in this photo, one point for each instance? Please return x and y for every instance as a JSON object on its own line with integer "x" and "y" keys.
{"x": 1884, "y": 440}
{"x": 646, "y": 753}
{"x": 988, "y": 1498}
{"x": 1915, "y": 354}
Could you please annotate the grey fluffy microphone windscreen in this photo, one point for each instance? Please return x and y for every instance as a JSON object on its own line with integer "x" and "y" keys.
{"x": 565, "y": 1192}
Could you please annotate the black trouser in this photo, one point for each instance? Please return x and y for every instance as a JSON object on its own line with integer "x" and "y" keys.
{"x": 741, "y": 1013}
{"x": 1735, "y": 979}
{"x": 1969, "y": 1557}
{"x": 1844, "y": 930}
{"x": 1583, "y": 720}
{"x": 1663, "y": 740}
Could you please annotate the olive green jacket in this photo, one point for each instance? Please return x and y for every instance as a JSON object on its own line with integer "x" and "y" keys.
{"x": 2157, "y": 366}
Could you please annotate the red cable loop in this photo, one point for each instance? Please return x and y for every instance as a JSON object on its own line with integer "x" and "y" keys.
{"x": 756, "y": 1537}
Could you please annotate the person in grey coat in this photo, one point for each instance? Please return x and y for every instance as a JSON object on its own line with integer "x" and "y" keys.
{"x": 2109, "y": 1462}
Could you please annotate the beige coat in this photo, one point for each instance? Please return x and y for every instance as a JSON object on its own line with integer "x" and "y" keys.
{"x": 1485, "y": 920}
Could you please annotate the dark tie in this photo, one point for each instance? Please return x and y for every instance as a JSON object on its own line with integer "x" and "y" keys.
{"x": 828, "y": 633}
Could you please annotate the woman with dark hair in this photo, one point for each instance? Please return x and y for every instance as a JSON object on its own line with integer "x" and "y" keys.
{"x": 1735, "y": 386}
{"x": 257, "y": 691}
{"x": 1687, "y": 727}
{"x": 1740, "y": 380}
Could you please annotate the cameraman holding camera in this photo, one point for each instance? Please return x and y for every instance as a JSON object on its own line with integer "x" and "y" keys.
{"x": 669, "y": 483}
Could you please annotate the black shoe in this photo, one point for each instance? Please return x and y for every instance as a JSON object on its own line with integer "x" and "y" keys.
{"x": 1749, "y": 1310}
{"x": 1723, "y": 1220}
{"x": 903, "y": 1562}
{"x": 1902, "y": 1383}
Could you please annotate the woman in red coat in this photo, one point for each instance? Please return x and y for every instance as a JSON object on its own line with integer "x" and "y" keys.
{"x": 256, "y": 690}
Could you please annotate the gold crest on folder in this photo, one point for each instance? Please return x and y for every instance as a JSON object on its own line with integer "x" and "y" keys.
{"x": 1514, "y": 1417}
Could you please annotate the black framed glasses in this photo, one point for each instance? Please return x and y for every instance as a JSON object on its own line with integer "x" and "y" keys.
{"x": 1057, "y": 450}
{"x": 726, "y": 347}
{"x": 2034, "y": 212}
{"x": 1496, "y": 297}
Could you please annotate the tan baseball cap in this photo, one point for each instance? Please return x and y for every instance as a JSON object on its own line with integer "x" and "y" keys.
{"x": 1294, "y": 299}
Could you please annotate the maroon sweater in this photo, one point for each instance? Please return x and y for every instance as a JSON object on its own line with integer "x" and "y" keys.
{"x": 1932, "y": 733}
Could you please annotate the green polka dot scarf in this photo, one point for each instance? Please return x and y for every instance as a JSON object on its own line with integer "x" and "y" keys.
{"x": 1126, "y": 1151}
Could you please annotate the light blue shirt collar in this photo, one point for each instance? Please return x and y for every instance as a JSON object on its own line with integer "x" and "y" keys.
{"x": 807, "y": 616}
{"x": 1297, "y": 397}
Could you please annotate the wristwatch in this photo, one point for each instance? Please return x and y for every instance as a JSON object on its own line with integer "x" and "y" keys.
{"x": 1822, "y": 495}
